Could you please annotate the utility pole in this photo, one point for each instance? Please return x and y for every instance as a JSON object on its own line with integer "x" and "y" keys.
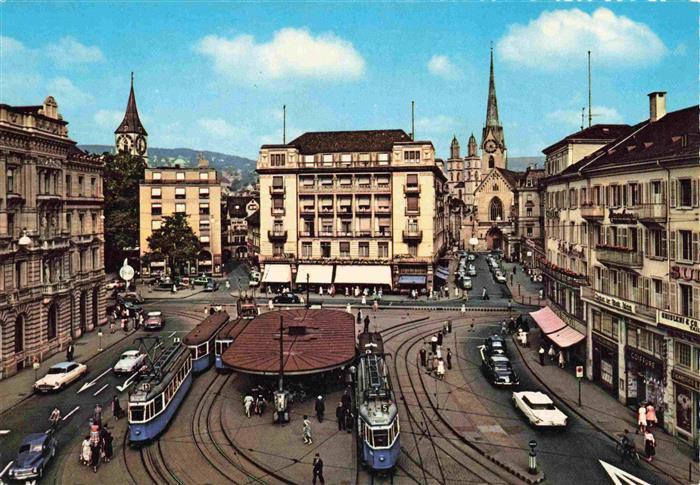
{"x": 590, "y": 113}
{"x": 413, "y": 121}
{"x": 281, "y": 377}
{"x": 284, "y": 124}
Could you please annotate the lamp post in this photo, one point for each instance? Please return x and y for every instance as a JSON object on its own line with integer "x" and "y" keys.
{"x": 532, "y": 458}
{"x": 308, "y": 292}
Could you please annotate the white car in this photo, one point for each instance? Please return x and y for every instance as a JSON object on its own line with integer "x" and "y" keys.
{"x": 60, "y": 375}
{"x": 254, "y": 278}
{"x": 129, "y": 362}
{"x": 500, "y": 277}
{"x": 539, "y": 409}
{"x": 466, "y": 283}
{"x": 472, "y": 270}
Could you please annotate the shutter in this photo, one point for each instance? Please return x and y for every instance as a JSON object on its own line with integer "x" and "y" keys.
{"x": 647, "y": 247}
{"x": 643, "y": 193}
{"x": 694, "y": 192}
{"x": 672, "y": 246}
{"x": 696, "y": 302}
{"x": 664, "y": 248}
{"x": 663, "y": 192}
{"x": 624, "y": 195}
{"x": 664, "y": 294}
{"x": 646, "y": 291}
{"x": 696, "y": 247}
{"x": 673, "y": 303}
{"x": 607, "y": 195}
{"x": 674, "y": 187}
{"x": 604, "y": 279}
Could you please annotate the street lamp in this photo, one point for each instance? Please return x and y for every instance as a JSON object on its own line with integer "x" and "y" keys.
{"x": 24, "y": 240}
{"x": 308, "y": 302}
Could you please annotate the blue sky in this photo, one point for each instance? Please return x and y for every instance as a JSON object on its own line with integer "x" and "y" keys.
{"x": 215, "y": 75}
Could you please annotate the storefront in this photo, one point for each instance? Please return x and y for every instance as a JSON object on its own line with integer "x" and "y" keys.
{"x": 605, "y": 363}
{"x": 686, "y": 402}
{"x": 645, "y": 380}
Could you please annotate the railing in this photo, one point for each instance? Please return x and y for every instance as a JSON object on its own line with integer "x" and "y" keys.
{"x": 277, "y": 190}
{"x": 412, "y": 235}
{"x": 592, "y": 211}
{"x": 308, "y": 210}
{"x": 209, "y": 181}
{"x": 382, "y": 210}
{"x": 411, "y": 189}
{"x": 345, "y": 209}
{"x": 564, "y": 276}
{"x": 325, "y": 233}
{"x": 651, "y": 212}
{"x": 277, "y": 212}
{"x": 364, "y": 209}
{"x": 619, "y": 256}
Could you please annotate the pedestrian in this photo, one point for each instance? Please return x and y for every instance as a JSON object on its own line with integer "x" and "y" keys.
{"x": 515, "y": 269}
{"x": 439, "y": 338}
{"x": 484, "y": 295}
{"x": 94, "y": 454}
{"x": 642, "y": 418}
{"x": 375, "y": 306}
{"x": 340, "y": 416}
{"x": 449, "y": 326}
{"x": 270, "y": 305}
{"x": 510, "y": 306}
{"x": 85, "y": 451}
{"x": 449, "y": 359}
{"x": 346, "y": 399}
{"x": 348, "y": 419}
{"x": 439, "y": 352}
{"x": 228, "y": 285}
{"x": 381, "y": 292}
{"x": 551, "y": 353}
{"x": 433, "y": 344}
{"x": 435, "y": 363}
{"x": 307, "y": 430}
{"x": 111, "y": 326}
{"x": 359, "y": 317}
{"x": 69, "y": 352}
{"x": 320, "y": 407}
{"x": 247, "y": 404}
{"x": 440, "y": 369}
{"x": 318, "y": 469}
{"x": 366, "y": 327}
{"x": 422, "y": 353}
{"x": 97, "y": 415}
{"x": 364, "y": 299}
{"x": 430, "y": 363}
{"x": 206, "y": 309}
{"x": 140, "y": 320}
{"x": 651, "y": 415}
{"x": 649, "y": 445}
{"x": 541, "y": 295}
{"x": 116, "y": 408}
{"x": 107, "y": 447}
{"x": 562, "y": 359}
{"x": 541, "y": 353}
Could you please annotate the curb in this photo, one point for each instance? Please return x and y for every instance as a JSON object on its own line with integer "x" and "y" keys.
{"x": 581, "y": 415}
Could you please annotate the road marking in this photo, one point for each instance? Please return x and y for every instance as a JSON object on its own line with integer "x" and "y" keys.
{"x": 88, "y": 385}
{"x": 3, "y": 432}
{"x": 621, "y": 477}
{"x": 101, "y": 389}
{"x": 6, "y": 468}
{"x": 127, "y": 382}
{"x": 75, "y": 409}
{"x": 169, "y": 336}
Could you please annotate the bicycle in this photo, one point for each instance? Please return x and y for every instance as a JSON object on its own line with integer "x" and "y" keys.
{"x": 627, "y": 451}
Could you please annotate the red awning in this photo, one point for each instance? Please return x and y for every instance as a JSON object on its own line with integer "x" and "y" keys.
{"x": 547, "y": 320}
{"x": 566, "y": 337}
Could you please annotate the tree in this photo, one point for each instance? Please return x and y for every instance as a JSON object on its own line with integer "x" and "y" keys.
{"x": 122, "y": 175}
{"x": 175, "y": 240}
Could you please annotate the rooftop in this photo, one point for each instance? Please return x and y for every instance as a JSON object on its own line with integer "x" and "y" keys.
{"x": 347, "y": 141}
{"x": 602, "y": 133}
{"x": 206, "y": 329}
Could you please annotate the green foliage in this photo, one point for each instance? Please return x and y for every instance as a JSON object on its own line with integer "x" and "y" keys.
{"x": 175, "y": 240}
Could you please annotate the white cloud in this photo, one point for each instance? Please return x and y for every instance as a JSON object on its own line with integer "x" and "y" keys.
{"x": 442, "y": 66}
{"x": 572, "y": 117}
{"x": 10, "y": 46}
{"x": 436, "y": 124}
{"x": 292, "y": 53}
{"x": 68, "y": 51}
{"x": 220, "y": 128}
{"x": 67, "y": 93}
{"x": 559, "y": 39}
{"x": 108, "y": 119}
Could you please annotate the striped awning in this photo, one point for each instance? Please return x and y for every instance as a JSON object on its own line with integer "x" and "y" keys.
{"x": 442, "y": 272}
{"x": 412, "y": 279}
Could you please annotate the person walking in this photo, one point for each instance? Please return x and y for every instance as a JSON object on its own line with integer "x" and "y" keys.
{"x": 440, "y": 369}
{"x": 94, "y": 454}
{"x": 364, "y": 300}
{"x": 97, "y": 415}
{"x": 484, "y": 295}
{"x": 541, "y": 353}
{"x": 359, "y": 317}
{"x": 651, "y": 415}
{"x": 247, "y": 404}
{"x": 69, "y": 352}
{"x": 366, "y": 327}
{"x": 346, "y": 399}
{"x": 430, "y": 363}
{"x": 375, "y": 306}
{"x": 318, "y": 469}
{"x": 422, "y": 353}
{"x": 642, "y": 418}
{"x": 449, "y": 359}
{"x": 306, "y": 430}
{"x": 348, "y": 419}
{"x": 435, "y": 363}
{"x": 649, "y": 445}
{"x": 439, "y": 338}
{"x": 340, "y": 416}
{"x": 116, "y": 408}
{"x": 85, "y": 451}
{"x": 551, "y": 353}
{"x": 107, "y": 447}
{"x": 433, "y": 343}
{"x": 320, "y": 407}
{"x": 562, "y": 359}
{"x": 449, "y": 326}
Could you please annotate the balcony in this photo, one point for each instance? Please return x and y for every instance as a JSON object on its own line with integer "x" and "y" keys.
{"x": 363, "y": 209}
{"x": 326, "y": 234}
{"x": 48, "y": 197}
{"x": 306, "y": 233}
{"x": 278, "y": 211}
{"x": 383, "y": 233}
{"x": 363, "y": 233}
{"x": 50, "y": 289}
{"x": 328, "y": 209}
{"x": 345, "y": 209}
{"x": 412, "y": 235}
{"x": 382, "y": 210}
{"x": 563, "y": 275}
{"x": 592, "y": 212}
{"x": 277, "y": 190}
{"x": 383, "y": 187}
{"x": 308, "y": 210}
{"x": 345, "y": 233}
{"x": 651, "y": 213}
{"x": 619, "y": 256}
{"x": 277, "y": 235}
{"x": 411, "y": 189}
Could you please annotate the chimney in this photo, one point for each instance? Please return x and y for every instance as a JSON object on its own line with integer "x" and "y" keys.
{"x": 657, "y": 105}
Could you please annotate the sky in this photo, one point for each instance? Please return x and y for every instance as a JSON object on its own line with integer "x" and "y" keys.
{"x": 214, "y": 76}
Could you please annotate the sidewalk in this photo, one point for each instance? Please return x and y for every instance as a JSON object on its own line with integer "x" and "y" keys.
{"x": 522, "y": 289}
{"x": 148, "y": 294}
{"x": 18, "y": 387}
{"x": 609, "y": 416}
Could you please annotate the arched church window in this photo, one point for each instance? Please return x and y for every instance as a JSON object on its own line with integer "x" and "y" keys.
{"x": 495, "y": 187}
{"x": 496, "y": 209}
{"x": 492, "y": 163}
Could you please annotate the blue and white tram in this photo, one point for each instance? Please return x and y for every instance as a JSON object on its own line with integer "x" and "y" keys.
{"x": 154, "y": 400}
{"x": 247, "y": 310}
{"x": 200, "y": 340}
{"x": 377, "y": 413}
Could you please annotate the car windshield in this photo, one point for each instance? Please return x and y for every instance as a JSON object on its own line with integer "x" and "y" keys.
{"x": 34, "y": 448}
{"x": 542, "y": 407}
{"x": 496, "y": 343}
{"x": 502, "y": 367}
{"x": 57, "y": 370}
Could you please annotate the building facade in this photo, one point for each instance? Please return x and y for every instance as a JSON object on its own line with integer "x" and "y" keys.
{"x": 528, "y": 216}
{"x": 51, "y": 236}
{"x": 237, "y": 209}
{"x": 195, "y": 192}
{"x": 623, "y": 260}
{"x": 372, "y": 203}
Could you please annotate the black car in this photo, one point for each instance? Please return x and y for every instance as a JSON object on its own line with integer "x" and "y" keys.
{"x": 286, "y": 298}
{"x": 34, "y": 454}
{"x": 211, "y": 285}
{"x": 495, "y": 345}
{"x": 498, "y": 370}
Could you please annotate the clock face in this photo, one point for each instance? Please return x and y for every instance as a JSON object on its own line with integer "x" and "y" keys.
{"x": 140, "y": 145}
{"x": 490, "y": 146}
{"x": 123, "y": 143}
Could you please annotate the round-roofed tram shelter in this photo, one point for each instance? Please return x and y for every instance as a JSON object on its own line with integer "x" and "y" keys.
{"x": 314, "y": 340}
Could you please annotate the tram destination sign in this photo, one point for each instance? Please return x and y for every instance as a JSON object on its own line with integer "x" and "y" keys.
{"x": 687, "y": 324}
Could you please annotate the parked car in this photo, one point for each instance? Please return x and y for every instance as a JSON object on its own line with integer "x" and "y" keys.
{"x": 153, "y": 321}
{"x": 129, "y": 362}
{"x": 471, "y": 257}
{"x": 201, "y": 280}
{"x": 115, "y": 285}
{"x": 211, "y": 285}
{"x": 286, "y": 298}
{"x": 60, "y": 375}
{"x": 539, "y": 409}
{"x": 132, "y": 308}
{"x": 466, "y": 283}
{"x": 131, "y": 297}
{"x": 498, "y": 370}
{"x": 33, "y": 456}
{"x": 472, "y": 270}
{"x": 500, "y": 277}
{"x": 495, "y": 345}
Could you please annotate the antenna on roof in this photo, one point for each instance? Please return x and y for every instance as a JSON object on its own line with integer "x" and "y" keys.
{"x": 284, "y": 124}
{"x": 583, "y": 116}
{"x": 590, "y": 115}
{"x": 413, "y": 121}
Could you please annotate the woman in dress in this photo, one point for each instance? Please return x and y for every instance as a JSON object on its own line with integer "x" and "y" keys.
{"x": 649, "y": 445}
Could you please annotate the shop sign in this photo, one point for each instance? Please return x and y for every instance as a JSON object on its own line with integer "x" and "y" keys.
{"x": 685, "y": 379}
{"x": 614, "y": 302}
{"x": 685, "y": 273}
{"x": 684, "y": 409}
{"x": 622, "y": 217}
{"x": 669, "y": 319}
{"x": 642, "y": 360}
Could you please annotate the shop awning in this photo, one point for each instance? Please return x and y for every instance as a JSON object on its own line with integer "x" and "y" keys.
{"x": 412, "y": 279}
{"x": 363, "y": 275}
{"x": 442, "y": 272}
{"x": 319, "y": 274}
{"x": 277, "y": 273}
{"x": 547, "y": 320}
{"x": 566, "y": 337}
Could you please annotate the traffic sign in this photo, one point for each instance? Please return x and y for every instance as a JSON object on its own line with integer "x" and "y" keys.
{"x": 579, "y": 371}
{"x": 533, "y": 444}
{"x": 126, "y": 272}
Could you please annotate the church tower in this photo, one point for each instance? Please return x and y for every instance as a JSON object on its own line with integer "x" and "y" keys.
{"x": 493, "y": 143}
{"x": 455, "y": 169}
{"x": 131, "y": 137}
{"x": 472, "y": 169}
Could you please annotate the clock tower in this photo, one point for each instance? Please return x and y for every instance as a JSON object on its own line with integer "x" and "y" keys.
{"x": 493, "y": 145}
{"x": 131, "y": 137}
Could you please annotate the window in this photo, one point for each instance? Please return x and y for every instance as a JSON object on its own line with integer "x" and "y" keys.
{"x": 95, "y": 258}
{"x": 155, "y": 225}
{"x": 656, "y": 244}
{"x": 495, "y": 187}
{"x": 529, "y": 230}
{"x": 363, "y": 249}
{"x": 180, "y": 193}
{"x": 412, "y": 156}
{"x": 180, "y": 208}
{"x": 309, "y": 161}
{"x": 413, "y": 250}
{"x": 277, "y": 159}
{"x": 528, "y": 211}
{"x": 203, "y": 225}
{"x": 203, "y": 175}
{"x": 204, "y": 192}
{"x": 685, "y": 245}
{"x": 156, "y": 176}
{"x": 495, "y": 209}
{"x": 634, "y": 194}
{"x": 685, "y": 193}
{"x": 325, "y": 249}
{"x": 306, "y": 249}
{"x": 492, "y": 162}
{"x": 412, "y": 180}
{"x": 277, "y": 182}
{"x": 383, "y": 158}
{"x": 180, "y": 176}
{"x": 81, "y": 223}
{"x": 344, "y": 249}
{"x": 682, "y": 353}
{"x": 93, "y": 221}
{"x": 277, "y": 204}
{"x": 156, "y": 193}
{"x": 383, "y": 249}
{"x": 69, "y": 222}
{"x": 686, "y": 300}
{"x": 412, "y": 203}
{"x": 80, "y": 186}
{"x": 204, "y": 239}
{"x": 156, "y": 210}
{"x": 278, "y": 249}
{"x": 203, "y": 209}
{"x": 69, "y": 184}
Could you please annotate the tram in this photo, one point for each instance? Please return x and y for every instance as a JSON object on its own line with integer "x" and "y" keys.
{"x": 200, "y": 340}
{"x": 155, "y": 399}
{"x": 377, "y": 412}
{"x": 247, "y": 310}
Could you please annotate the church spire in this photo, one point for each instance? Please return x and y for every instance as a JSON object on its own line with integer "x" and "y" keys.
{"x": 131, "y": 122}
{"x": 492, "y": 105}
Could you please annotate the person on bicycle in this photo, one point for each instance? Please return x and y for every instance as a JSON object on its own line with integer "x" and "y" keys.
{"x": 55, "y": 418}
{"x": 504, "y": 329}
{"x": 628, "y": 447}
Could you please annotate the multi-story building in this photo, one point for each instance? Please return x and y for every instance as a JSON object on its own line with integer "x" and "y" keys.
{"x": 369, "y": 202}
{"x": 624, "y": 258}
{"x": 194, "y": 191}
{"x": 237, "y": 209}
{"x": 51, "y": 236}
{"x": 527, "y": 215}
